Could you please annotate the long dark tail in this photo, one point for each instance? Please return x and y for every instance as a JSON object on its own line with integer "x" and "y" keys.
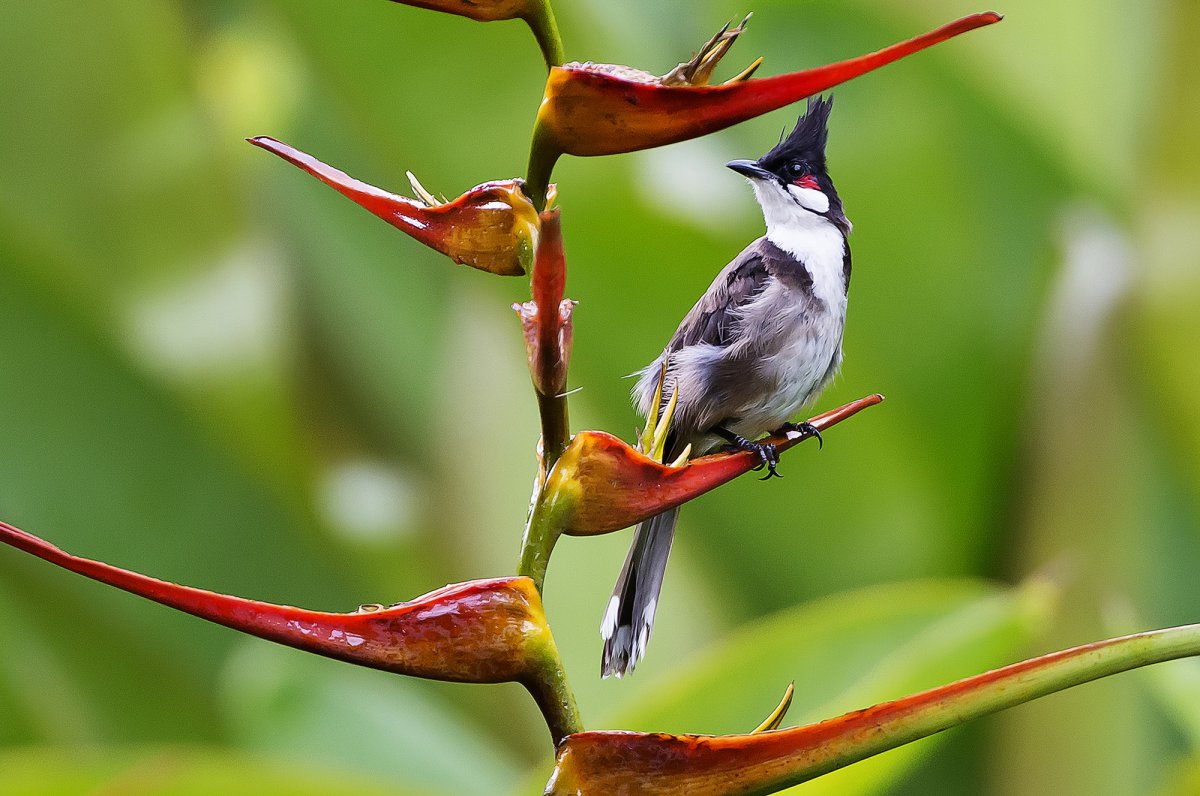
{"x": 630, "y": 615}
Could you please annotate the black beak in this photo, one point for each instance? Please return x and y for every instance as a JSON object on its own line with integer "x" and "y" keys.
{"x": 751, "y": 169}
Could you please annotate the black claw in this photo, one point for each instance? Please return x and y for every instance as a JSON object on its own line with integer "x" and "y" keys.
{"x": 771, "y": 471}
{"x": 766, "y": 462}
{"x": 816, "y": 432}
{"x": 806, "y": 428}
{"x": 767, "y": 455}
{"x": 770, "y": 459}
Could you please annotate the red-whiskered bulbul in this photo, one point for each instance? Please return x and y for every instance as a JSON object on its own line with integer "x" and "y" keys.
{"x": 759, "y": 345}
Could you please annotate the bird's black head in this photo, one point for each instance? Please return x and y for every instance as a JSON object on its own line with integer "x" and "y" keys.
{"x": 802, "y": 153}
{"x": 795, "y": 167}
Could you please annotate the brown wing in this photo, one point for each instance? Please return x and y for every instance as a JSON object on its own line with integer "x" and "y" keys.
{"x": 711, "y": 319}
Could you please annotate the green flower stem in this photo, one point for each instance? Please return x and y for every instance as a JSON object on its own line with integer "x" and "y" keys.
{"x": 543, "y": 154}
{"x": 553, "y": 504}
{"x": 536, "y": 547}
{"x": 545, "y": 526}
{"x": 540, "y": 18}
{"x": 552, "y": 693}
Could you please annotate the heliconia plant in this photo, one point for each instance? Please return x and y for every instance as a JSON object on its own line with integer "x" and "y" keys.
{"x": 590, "y": 482}
{"x": 492, "y": 227}
{"x": 601, "y": 109}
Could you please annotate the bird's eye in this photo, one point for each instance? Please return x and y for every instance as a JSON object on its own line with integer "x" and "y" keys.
{"x": 800, "y": 174}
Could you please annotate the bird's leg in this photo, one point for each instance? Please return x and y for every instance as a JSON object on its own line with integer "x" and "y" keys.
{"x": 804, "y": 428}
{"x": 768, "y": 456}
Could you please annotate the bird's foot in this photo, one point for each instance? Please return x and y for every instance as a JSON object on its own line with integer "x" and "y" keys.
{"x": 805, "y": 428}
{"x": 767, "y": 454}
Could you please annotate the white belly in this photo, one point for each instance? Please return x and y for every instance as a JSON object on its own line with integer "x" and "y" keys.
{"x": 793, "y": 376}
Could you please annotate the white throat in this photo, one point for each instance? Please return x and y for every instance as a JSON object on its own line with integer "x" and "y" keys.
{"x": 807, "y": 236}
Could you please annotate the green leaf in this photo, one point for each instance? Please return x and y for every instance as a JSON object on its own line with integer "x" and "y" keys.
{"x": 183, "y": 771}
{"x": 1175, "y": 689}
{"x": 298, "y": 707}
{"x": 1184, "y": 780}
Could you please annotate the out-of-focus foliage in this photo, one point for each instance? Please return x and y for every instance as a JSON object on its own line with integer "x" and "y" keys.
{"x": 216, "y": 372}
{"x": 177, "y": 771}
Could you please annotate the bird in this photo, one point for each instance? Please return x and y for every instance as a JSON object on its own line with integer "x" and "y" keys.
{"x": 759, "y": 345}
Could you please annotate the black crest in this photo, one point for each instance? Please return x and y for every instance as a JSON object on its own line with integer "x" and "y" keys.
{"x": 807, "y": 141}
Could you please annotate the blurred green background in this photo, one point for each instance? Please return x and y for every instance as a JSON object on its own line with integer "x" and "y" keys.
{"x": 217, "y": 371}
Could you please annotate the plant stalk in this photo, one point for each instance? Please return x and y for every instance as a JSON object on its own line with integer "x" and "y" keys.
{"x": 556, "y": 430}
{"x": 540, "y": 18}
{"x": 553, "y": 694}
{"x": 547, "y": 519}
{"x": 543, "y": 154}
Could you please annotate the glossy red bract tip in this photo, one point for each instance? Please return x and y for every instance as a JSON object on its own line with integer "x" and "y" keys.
{"x": 482, "y": 631}
{"x": 608, "y": 485}
{"x": 601, "y": 109}
{"x": 492, "y": 227}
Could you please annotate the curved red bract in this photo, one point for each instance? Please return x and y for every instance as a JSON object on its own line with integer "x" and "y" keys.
{"x": 482, "y": 631}
{"x": 546, "y": 318}
{"x": 657, "y": 764}
{"x": 613, "y": 486}
{"x": 490, "y": 227}
{"x": 591, "y": 109}
{"x": 478, "y": 10}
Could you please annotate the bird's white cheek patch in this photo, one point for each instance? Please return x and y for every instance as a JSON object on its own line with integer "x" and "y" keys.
{"x": 810, "y": 199}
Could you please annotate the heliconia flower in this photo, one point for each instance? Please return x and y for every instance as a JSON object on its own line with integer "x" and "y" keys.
{"x": 642, "y": 764}
{"x": 492, "y": 227}
{"x": 608, "y": 485}
{"x": 546, "y": 322}
{"x": 601, "y": 109}
{"x": 482, "y": 631}
{"x": 546, "y": 319}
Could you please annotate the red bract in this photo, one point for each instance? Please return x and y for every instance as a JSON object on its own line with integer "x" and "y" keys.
{"x": 612, "y": 486}
{"x": 492, "y": 227}
{"x": 546, "y": 321}
{"x": 483, "y": 631}
{"x": 474, "y": 632}
{"x": 479, "y": 10}
{"x": 598, "y": 109}
{"x": 641, "y": 764}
